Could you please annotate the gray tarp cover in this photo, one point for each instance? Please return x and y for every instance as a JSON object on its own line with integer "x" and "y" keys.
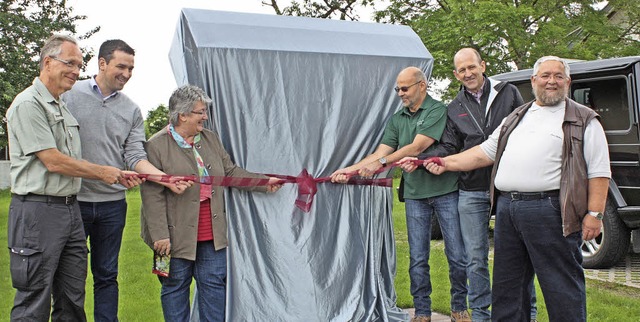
{"x": 292, "y": 93}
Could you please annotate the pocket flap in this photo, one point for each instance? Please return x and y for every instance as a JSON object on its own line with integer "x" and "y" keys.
{"x": 24, "y": 251}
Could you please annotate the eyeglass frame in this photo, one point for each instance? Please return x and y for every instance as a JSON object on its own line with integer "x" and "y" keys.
{"x": 560, "y": 77}
{"x": 203, "y": 112}
{"x": 68, "y": 63}
{"x": 405, "y": 88}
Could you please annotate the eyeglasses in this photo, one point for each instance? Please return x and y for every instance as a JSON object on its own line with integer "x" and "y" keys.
{"x": 203, "y": 112}
{"x": 547, "y": 77}
{"x": 405, "y": 88}
{"x": 69, "y": 64}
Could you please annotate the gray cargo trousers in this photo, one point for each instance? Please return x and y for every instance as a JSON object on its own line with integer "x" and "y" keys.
{"x": 48, "y": 259}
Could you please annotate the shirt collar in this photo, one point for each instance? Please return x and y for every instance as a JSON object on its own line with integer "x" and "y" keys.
{"x": 44, "y": 91}
{"x": 552, "y": 108}
{"x": 426, "y": 104}
{"x": 478, "y": 96}
{"x": 96, "y": 88}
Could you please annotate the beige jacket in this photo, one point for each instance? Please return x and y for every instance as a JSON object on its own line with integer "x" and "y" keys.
{"x": 168, "y": 215}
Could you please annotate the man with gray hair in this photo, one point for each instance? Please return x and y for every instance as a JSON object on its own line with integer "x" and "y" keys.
{"x": 549, "y": 188}
{"x": 415, "y": 129}
{"x": 48, "y": 250}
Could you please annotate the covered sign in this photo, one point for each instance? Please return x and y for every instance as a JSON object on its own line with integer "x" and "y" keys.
{"x": 293, "y": 93}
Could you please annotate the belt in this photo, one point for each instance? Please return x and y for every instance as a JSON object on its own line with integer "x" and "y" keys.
{"x": 514, "y": 195}
{"x": 68, "y": 200}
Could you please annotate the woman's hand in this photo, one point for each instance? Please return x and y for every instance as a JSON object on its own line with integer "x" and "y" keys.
{"x": 274, "y": 184}
{"x": 162, "y": 246}
{"x": 179, "y": 187}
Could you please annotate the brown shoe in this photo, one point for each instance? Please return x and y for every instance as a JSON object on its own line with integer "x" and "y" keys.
{"x": 462, "y": 316}
{"x": 421, "y": 318}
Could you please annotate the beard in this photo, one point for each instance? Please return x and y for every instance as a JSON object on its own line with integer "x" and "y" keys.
{"x": 550, "y": 99}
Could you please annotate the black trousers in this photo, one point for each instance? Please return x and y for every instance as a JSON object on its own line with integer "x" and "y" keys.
{"x": 48, "y": 259}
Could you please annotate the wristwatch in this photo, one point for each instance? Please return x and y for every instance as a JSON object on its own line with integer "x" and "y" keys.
{"x": 596, "y": 214}
{"x": 383, "y": 161}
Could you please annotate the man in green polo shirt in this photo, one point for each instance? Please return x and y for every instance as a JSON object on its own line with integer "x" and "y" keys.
{"x": 415, "y": 129}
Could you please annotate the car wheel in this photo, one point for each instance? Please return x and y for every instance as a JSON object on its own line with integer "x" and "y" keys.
{"x": 611, "y": 246}
{"x": 436, "y": 233}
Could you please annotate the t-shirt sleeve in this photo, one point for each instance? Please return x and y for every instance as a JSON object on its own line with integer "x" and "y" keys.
{"x": 596, "y": 157}
{"x": 391, "y": 135}
{"x": 490, "y": 145}
{"x": 31, "y": 127}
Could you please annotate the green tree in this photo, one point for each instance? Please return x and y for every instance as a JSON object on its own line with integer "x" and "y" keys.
{"x": 515, "y": 33}
{"x": 24, "y": 26}
{"x": 510, "y": 34}
{"x": 156, "y": 120}
{"x": 341, "y": 9}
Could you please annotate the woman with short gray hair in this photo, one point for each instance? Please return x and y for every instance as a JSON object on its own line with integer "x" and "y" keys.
{"x": 190, "y": 227}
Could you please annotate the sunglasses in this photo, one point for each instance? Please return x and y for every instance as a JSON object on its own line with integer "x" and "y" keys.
{"x": 405, "y": 88}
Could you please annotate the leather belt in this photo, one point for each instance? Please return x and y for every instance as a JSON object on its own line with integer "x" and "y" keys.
{"x": 67, "y": 200}
{"x": 514, "y": 195}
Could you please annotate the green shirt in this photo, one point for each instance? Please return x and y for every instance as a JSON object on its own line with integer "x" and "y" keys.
{"x": 36, "y": 121}
{"x": 429, "y": 120}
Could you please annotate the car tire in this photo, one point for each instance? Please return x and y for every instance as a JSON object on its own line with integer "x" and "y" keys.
{"x": 611, "y": 246}
{"x": 436, "y": 233}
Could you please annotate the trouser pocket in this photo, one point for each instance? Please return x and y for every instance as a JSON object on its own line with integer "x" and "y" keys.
{"x": 25, "y": 267}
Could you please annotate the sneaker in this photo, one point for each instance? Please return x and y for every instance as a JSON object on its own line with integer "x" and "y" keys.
{"x": 462, "y": 316}
{"x": 421, "y": 318}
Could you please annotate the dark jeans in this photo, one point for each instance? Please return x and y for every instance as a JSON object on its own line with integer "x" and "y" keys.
{"x": 103, "y": 225}
{"x": 48, "y": 259}
{"x": 528, "y": 239}
{"x": 210, "y": 272}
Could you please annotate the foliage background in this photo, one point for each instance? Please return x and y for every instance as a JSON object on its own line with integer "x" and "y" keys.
{"x": 156, "y": 119}
{"x": 24, "y": 26}
{"x": 510, "y": 34}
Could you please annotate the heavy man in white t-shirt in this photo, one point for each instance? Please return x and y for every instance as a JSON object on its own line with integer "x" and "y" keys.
{"x": 549, "y": 188}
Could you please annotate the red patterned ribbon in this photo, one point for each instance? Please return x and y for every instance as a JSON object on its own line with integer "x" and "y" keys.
{"x": 307, "y": 185}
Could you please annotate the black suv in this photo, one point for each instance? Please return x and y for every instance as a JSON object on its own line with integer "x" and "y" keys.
{"x": 611, "y": 87}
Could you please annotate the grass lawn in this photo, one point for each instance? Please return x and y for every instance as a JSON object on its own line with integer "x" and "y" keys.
{"x": 139, "y": 289}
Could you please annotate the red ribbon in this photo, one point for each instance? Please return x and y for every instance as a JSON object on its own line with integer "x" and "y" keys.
{"x": 307, "y": 185}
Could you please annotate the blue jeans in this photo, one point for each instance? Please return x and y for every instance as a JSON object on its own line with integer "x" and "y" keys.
{"x": 103, "y": 226}
{"x": 528, "y": 238}
{"x": 474, "y": 207}
{"x": 210, "y": 271}
{"x": 419, "y": 214}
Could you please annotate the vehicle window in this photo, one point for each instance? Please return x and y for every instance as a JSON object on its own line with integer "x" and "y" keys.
{"x": 525, "y": 91}
{"x": 608, "y": 97}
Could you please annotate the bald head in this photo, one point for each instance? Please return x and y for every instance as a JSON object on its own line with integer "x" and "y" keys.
{"x": 413, "y": 73}
{"x": 469, "y": 69}
{"x": 411, "y": 86}
{"x": 467, "y": 54}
